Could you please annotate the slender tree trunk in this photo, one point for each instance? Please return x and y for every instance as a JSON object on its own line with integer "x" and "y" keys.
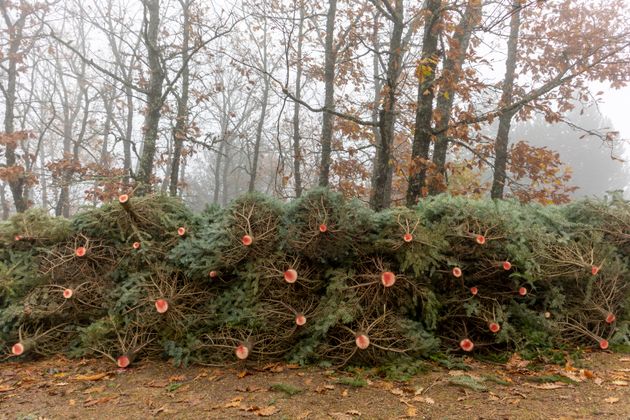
{"x": 42, "y": 178}
{"x": 16, "y": 183}
{"x": 181, "y": 125}
{"x": 328, "y": 119}
{"x": 297, "y": 151}
{"x": 424, "y": 108}
{"x": 446, "y": 96}
{"x": 383, "y": 167}
{"x": 128, "y": 134}
{"x": 217, "y": 172}
{"x": 376, "y": 74}
{"x": 226, "y": 173}
{"x": 505, "y": 119}
{"x": 6, "y": 210}
{"x": 154, "y": 95}
{"x": 263, "y": 110}
{"x": 259, "y": 132}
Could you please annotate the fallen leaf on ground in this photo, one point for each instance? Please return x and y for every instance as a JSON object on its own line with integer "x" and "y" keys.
{"x": 157, "y": 384}
{"x": 411, "y": 411}
{"x": 234, "y": 402}
{"x": 340, "y": 416}
{"x": 94, "y": 389}
{"x": 5, "y": 388}
{"x": 426, "y": 400}
{"x": 397, "y": 391}
{"x": 267, "y": 411}
{"x": 620, "y": 383}
{"x": 90, "y": 403}
{"x": 242, "y": 374}
{"x": 304, "y": 415}
{"x": 548, "y": 386}
{"x": 516, "y": 363}
{"x": 94, "y": 377}
{"x": 611, "y": 400}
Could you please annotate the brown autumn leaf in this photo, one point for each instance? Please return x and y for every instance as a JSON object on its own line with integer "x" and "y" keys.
{"x": 157, "y": 383}
{"x": 516, "y": 363}
{"x": 426, "y": 400}
{"x": 234, "y": 402}
{"x": 90, "y": 403}
{"x": 620, "y": 383}
{"x": 304, "y": 415}
{"x": 340, "y": 416}
{"x": 267, "y": 411}
{"x": 397, "y": 391}
{"x": 242, "y": 374}
{"x": 6, "y": 388}
{"x": 94, "y": 377}
{"x": 411, "y": 411}
{"x": 94, "y": 389}
{"x": 611, "y": 400}
{"x": 548, "y": 386}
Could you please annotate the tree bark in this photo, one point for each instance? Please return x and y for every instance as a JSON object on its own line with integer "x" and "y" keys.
{"x": 424, "y": 107}
{"x": 376, "y": 74}
{"x": 445, "y": 99}
{"x": 154, "y": 95}
{"x": 181, "y": 125}
{"x": 505, "y": 119}
{"x": 297, "y": 150}
{"x": 217, "y": 170}
{"x": 263, "y": 110}
{"x": 383, "y": 168}
{"x": 17, "y": 183}
{"x": 328, "y": 119}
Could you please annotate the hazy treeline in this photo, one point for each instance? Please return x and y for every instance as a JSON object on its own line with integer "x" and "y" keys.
{"x": 381, "y": 99}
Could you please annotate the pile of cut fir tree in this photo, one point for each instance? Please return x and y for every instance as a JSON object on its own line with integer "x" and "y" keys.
{"x": 321, "y": 279}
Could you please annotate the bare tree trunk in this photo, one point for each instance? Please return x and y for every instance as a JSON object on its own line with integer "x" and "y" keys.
{"x": 17, "y": 183}
{"x": 42, "y": 178}
{"x": 128, "y": 134}
{"x": 6, "y": 210}
{"x": 154, "y": 95}
{"x": 383, "y": 168}
{"x": 444, "y": 104}
{"x": 424, "y": 108}
{"x": 505, "y": 119}
{"x": 376, "y": 74}
{"x": 259, "y": 130}
{"x": 328, "y": 119}
{"x": 297, "y": 151}
{"x": 226, "y": 173}
{"x": 263, "y": 109}
{"x": 181, "y": 125}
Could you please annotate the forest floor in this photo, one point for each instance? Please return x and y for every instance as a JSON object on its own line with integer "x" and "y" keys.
{"x": 595, "y": 387}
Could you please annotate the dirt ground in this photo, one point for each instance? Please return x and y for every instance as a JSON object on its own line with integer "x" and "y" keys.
{"x": 597, "y": 387}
